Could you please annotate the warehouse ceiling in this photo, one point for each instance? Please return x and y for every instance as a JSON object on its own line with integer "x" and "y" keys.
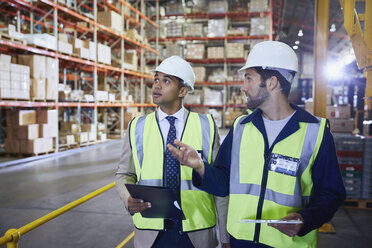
{"x": 299, "y": 15}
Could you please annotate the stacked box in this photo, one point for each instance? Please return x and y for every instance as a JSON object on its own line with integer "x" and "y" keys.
{"x": 194, "y": 98}
{"x": 134, "y": 35}
{"x": 42, "y": 40}
{"x": 174, "y": 29}
{"x": 367, "y": 127}
{"x": 87, "y": 44}
{"x": 52, "y": 78}
{"x": 174, "y": 8}
{"x": 24, "y": 135}
{"x": 216, "y": 28}
{"x": 235, "y": 50}
{"x": 195, "y": 51}
{"x": 102, "y": 95}
{"x": 104, "y": 54}
{"x": 217, "y": 6}
{"x": 339, "y": 119}
{"x": 260, "y": 26}
{"x": 258, "y": 6}
{"x": 193, "y": 29}
{"x": 19, "y": 82}
{"x": 38, "y": 73}
{"x": 200, "y": 73}
{"x": 367, "y": 169}
{"x": 212, "y": 97}
{"x": 173, "y": 49}
{"x": 111, "y": 19}
{"x": 131, "y": 60}
{"x": 48, "y": 123}
{"x": 215, "y": 52}
{"x": 350, "y": 158}
{"x": 63, "y": 45}
{"x": 69, "y": 127}
{"x": 5, "y": 87}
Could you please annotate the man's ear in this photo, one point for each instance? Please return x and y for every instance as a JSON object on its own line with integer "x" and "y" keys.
{"x": 273, "y": 83}
{"x": 183, "y": 91}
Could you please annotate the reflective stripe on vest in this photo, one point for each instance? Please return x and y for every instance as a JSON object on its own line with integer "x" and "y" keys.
{"x": 148, "y": 155}
{"x": 284, "y": 193}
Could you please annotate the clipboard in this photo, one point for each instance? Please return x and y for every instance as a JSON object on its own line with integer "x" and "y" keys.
{"x": 163, "y": 201}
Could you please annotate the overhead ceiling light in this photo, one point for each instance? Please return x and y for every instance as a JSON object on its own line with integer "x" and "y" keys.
{"x": 295, "y": 47}
{"x": 297, "y": 42}
{"x": 300, "y": 33}
{"x": 333, "y": 28}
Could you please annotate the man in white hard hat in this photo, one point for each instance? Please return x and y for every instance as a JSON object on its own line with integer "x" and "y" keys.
{"x": 147, "y": 161}
{"x": 278, "y": 165}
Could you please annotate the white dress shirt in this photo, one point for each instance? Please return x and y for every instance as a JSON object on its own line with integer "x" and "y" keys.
{"x": 164, "y": 123}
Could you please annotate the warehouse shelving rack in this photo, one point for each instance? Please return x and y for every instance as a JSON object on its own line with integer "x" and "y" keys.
{"x": 70, "y": 17}
{"x": 229, "y": 17}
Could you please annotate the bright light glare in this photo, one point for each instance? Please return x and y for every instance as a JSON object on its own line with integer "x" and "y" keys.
{"x": 334, "y": 71}
{"x": 297, "y": 42}
{"x": 295, "y": 47}
{"x": 333, "y": 28}
{"x": 300, "y": 33}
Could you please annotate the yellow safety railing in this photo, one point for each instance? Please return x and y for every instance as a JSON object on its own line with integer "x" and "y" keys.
{"x": 12, "y": 236}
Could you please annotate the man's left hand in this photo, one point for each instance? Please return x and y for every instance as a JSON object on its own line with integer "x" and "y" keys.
{"x": 290, "y": 230}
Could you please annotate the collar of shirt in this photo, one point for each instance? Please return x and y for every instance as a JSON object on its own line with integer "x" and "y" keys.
{"x": 292, "y": 125}
{"x": 299, "y": 116}
{"x": 180, "y": 114}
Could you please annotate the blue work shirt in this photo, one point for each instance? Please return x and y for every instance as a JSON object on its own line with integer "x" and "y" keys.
{"x": 328, "y": 188}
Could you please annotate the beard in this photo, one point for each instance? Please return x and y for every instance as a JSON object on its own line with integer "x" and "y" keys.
{"x": 256, "y": 101}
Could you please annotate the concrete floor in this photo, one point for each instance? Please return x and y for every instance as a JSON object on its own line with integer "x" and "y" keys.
{"x": 32, "y": 189}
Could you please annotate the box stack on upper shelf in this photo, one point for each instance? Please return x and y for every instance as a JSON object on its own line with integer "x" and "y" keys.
{"x": 80, "y": 64}
{"x": 215, "y": 36}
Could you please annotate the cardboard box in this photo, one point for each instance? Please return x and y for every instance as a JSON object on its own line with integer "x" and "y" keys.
{"x": 339, "y": 112}
{"x": 51, "y": 89}
{"x": 5, "y": 61}
{"x": 69, "y": 127}
{"x": 47, "y": 116}
{"x": 195, "y": 51}
{"x": 81, "y": 137}
{"x": 92, "y": 136}
{"x": 235, "y": 50}
{"x": 131, "y": 60}
{"x": 28, "y": 132}
{"x": 88, "y": 128}
{"x": 102, "y": 95}
{"x": 12, "y": 146}
{"x": 37, "y": 89}
{"x": 65, "y": 47}
{"x": 76, "y": 43}
{"x": 48, "y": 130}
{"x": 111, "y": 19}
{"x": 200, "y": 74}
{"x": 63, "y": 37}
{"x": 215, "y": 52}
{"x": 67, "y": 139}
{"x": 341, "y": 125}
{"x": 36, "y": 63}
{"x": 36, "y": 146}
{"x": 21, "y": 117}
{"x": 102, "y": 136}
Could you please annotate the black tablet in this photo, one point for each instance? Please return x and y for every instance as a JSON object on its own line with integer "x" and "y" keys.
{"x": 163, "y": 201}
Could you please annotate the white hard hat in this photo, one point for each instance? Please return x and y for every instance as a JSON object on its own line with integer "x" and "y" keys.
{"x": 177, "y": 66}
{"x": 273, "y": 55}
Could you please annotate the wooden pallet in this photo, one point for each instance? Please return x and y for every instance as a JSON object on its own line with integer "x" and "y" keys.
{"x": 358, "y": 203}
{"x": 12, "y": 39}
{"x": 42, "y": 100}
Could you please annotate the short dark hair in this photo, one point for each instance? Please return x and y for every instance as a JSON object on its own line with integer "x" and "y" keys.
{"x": 181, "y": 81}
{"x": 267, "y": 73}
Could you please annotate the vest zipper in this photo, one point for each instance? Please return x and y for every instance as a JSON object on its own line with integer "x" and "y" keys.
{"x": 262, "y": 195}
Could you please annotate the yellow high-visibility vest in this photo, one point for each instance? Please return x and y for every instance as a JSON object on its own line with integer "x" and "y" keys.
{"x": 284, "y": 193}
{"x": 148, "y": 155}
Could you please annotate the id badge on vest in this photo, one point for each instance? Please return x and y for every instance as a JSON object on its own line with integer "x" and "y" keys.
{"x": 283, "y": 164}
